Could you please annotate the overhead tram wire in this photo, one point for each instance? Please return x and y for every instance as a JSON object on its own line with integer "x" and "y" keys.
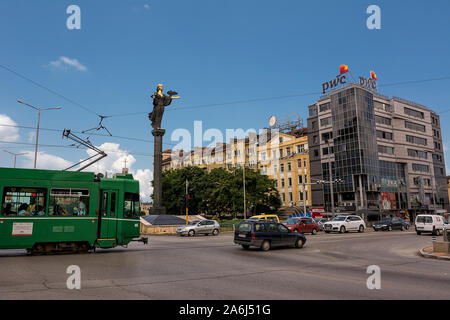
{"x": 48, "y": 89}
{"x": 79, "y": 148}
{"x": 206, "y": 105}
{"x": 90, "y": 134}
{"x": 274, "y": 98}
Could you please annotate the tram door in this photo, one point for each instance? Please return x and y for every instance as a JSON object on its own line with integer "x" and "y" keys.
{"x": 108, "y": 224}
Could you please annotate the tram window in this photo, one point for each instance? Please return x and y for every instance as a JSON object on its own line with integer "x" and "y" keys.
{"x": 69, "y": 202}
{"x": 105, "y": 204}
{"x": 24, "y": 201}
{"x": 113, "y": 204}
{"x": 131, "y": 206}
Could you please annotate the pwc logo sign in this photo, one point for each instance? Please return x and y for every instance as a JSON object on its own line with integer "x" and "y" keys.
{"x": 370, "y": 83}
{"x": 340, "y": 79}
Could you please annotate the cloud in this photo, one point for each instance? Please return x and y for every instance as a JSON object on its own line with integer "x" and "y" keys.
{"x": 146, "y": 6}
{"x": 7, "y": 132}
{"x": 45, "y": 161}
{"x": 65, "y": 63}
{"x": 115, "y": 162}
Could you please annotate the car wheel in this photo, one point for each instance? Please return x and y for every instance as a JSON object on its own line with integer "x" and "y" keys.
{"x": 361, "y": 229}
{"x": 374, "y": 229}
{"x": 265, "y": 246}
{"x": 314, "y": 231}
{"x": 327, "y": 231}
{"x": 191, "y": 233}
{"x": 389, "y": 228}
{"x": 342, "y": 230}
{"x": 299, "y": 243}
{"x": 418, "y": 233}
{"x": 215, "y": 232}
{"x": 245, "y": 246}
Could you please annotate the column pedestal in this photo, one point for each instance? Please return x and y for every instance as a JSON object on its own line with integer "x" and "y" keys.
{"x": 157, "y": 208}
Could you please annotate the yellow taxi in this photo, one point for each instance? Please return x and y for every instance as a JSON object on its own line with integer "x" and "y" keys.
{"x": 265, "y": 217}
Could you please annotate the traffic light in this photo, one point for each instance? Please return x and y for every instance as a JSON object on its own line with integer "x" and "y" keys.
{"x": 186, "y": 200}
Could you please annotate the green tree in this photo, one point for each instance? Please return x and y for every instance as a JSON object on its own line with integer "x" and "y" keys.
{"x": 219, "y": 192}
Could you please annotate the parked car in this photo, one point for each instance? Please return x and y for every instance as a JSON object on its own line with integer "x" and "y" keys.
{"x": 265, "y": 217}
{"x": 266, "y": 235}
{"x": 199, "y": 227}
{"x": 391, "y": 224}
{"x": 321, "y": 222}
{"x": 302, "y": 225}
{"x": 345, "y": 224}
{"x": 429, "y": 223}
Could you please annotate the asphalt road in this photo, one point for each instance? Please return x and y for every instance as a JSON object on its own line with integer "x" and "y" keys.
{"x": 330, "y": 266}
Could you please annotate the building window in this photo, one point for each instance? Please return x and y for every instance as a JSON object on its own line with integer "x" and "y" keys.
{"x": 281, "y": 153}
{"x": 300, "y": 180}
{"x": 416, "y": 140}
{"x": 301, "y": 148}
{"x": 288, "y": 151}
{"x": 385, "y": 149}
{"x": 315, "y": 139}
{"x": 325, "y": 151}
{"x": 24, "y": 201}
{"x": 324, "y": 107}
{"x": 384, "y": 135}
{"x": 420, "y": 167}
{"x": 325, "y": 122}
{"x": 417, "y": 154}
{"x": 282, "y": 183}
{"x": 289, "y": 166}
{"x": 290, "y": 196}
{"x": 437, "y": 145}
{"x": 290, "y": 182}
{"x": 327, "y": 136}
{"x": 282, "y": 167}
{"x": 383, "y": 120}
{"x": 437, "y": 157}
{"x": 414, "y": 126}
{"x": 413, "y": 113}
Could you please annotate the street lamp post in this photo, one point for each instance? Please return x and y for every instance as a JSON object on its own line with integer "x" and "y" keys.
{"x": 37, "y": 129}
{"x": 15, "y": 155}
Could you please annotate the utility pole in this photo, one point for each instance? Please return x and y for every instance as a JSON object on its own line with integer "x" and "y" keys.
{"x": 15, "y": 155}
{"x": 331, "y": 178}
{"x": 37, "y": 129}
{"x": 245, "y": 204}
{"x": 186, "y": 201}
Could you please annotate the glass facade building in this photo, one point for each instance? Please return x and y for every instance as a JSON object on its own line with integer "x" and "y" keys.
{"x": 366, "y": 138}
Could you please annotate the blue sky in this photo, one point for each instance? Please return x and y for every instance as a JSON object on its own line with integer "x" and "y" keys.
{"x": 210, "y": 52}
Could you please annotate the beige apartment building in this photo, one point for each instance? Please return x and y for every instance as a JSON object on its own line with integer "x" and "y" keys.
{"x": 283, "y": 156}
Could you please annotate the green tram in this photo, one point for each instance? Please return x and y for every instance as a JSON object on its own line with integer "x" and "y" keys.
{"x": 46, "y": 211}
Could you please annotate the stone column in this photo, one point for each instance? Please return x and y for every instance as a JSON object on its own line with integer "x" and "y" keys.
{"x": 157, "y": 208}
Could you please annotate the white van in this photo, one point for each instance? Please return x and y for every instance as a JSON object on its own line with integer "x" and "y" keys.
{"x": 429, "y": 223}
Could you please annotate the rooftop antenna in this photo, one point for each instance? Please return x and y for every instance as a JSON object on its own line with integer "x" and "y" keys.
{"x": 100, "y": 126}
{"x": 287, "y": 123}
{"x": 100, "y": 153}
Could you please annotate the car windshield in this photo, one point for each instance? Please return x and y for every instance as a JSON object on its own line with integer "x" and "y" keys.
{"x": 292, "y": 221}
{"x": 253, "y": 219}
{"x": 384, "y": 221}
{"x": 341, "y": 218}
{"x": 193, "y": 222}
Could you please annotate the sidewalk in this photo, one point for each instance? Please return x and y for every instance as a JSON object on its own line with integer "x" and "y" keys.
{"x": 427, "y": 252}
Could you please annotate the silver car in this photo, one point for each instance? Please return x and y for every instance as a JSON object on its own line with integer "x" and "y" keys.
{"x": 199, "y": 227}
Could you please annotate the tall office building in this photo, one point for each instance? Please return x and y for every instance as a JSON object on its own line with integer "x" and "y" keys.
{"x": 386, "y": 154}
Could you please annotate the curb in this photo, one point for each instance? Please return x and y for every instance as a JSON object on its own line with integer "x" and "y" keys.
{"x": 432, "y": 256}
